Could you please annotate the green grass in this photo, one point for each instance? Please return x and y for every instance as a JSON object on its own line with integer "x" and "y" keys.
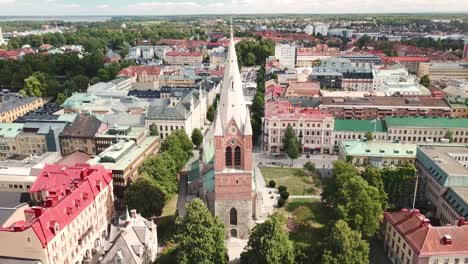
{"x": 170, "y": 207}
{"x": 293, "y": 178}
{"x": 317, "y": 217}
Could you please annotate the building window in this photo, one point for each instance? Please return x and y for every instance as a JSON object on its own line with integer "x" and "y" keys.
{"x": 228, "y": 157}
{"x": 233, "y": 216}
{"x": 237, "y": 156}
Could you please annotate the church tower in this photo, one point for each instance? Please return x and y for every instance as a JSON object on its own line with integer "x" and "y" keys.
{"x": 233, "y": 191}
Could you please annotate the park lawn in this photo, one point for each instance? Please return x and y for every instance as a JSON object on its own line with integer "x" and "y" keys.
{"x": 170, "y": 207}
{"x": 317, "y": 219}
{"x": 293, "y": 178}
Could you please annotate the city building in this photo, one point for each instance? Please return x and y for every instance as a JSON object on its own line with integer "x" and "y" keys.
{"x": 309, "y": 57}
{"x": 348, "y": 129}
{"x": 333, "y": 72}
{"x": 183, "y": 58}
{"x": 187, "y": 113}
{"x": 303, "y": 89}
{"x": 357, "y": 81}
{"x": 130, "y": 240}
{"x": 410, "y": 238}
{"x": 13, "y": 106}
{"x": 443, "y": 170}
{"x": 443, "y": 70}
{"x": 382, "y": 76}
{"x": 313, "y": 128}
{"x": 405, "y": 87}
{"x": 465, "y": 48}
{"x": 286, "y": 55}
{"x": 124, "y": 158}
{"x": 376, "y": 153}
{"x": 363, "y": 60}
{"x": 427, "y": 129}
{"x": 80, "y": 135}
{"x": 116, "y": 88}
{"x": 410, "y": 63}
{"x": 69, "y": 223}
{"x": 143, "y": 77}
{"x": 309, "y": 29}
{"x": 380, "y": 107}
{"x": 114, "y": 133}
{"x": 320, "y": 28}
{"x": 459, "y": 106}
{"x": 112, "y": 57}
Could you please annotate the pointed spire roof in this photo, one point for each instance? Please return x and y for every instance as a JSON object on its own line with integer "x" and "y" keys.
{"x": 232, "y": 104}
{"x": 127, "y": 215}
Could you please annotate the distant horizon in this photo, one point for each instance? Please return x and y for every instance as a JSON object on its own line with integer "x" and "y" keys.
{"x": 67, "y": 8}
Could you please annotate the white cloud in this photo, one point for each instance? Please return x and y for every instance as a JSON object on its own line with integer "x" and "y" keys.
{"x": 7, "y": 2}
{"x": 103, "y": 6}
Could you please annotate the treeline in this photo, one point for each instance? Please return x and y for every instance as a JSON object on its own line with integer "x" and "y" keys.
{"x": 51, "y": 75}
{"x": 439, "y": 44}
{"x": 258, "y": 105}
{"x": 251, "y": 53}
{"x": 158, "y": 175}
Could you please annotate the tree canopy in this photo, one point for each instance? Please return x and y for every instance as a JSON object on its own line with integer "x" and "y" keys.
{"x": 200, "y": 236}
{"x": 425, "y": 81}
{"x": 269, "y": 243}
{"x": 291, "y": 144}
{"x": 145, "y": 195}
{"x": 345, "y": 246}
{"x": 197, "y": 137}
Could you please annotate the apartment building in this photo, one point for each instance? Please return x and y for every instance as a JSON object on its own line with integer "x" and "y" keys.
{"x": 459, "y": 106}
{"x": 69, "y": 223}
{"x": 348, "y": 129}
{"x": 286, "y": 54}
{"x": 380, "y": 107}
{"x": 443, "y": 170}
{"x": 124, "y": 158}
{"x": 443, "y": 70}
{"x": 382, "y": 76}
{"x": 183, "y": 58}
{"x": 376, "y": 153}
{"x": 425, "y": 129}
{"x": 80, "y": 135}
{"x": 13, "y": 106}
{"x": 313, "y": 128}
{"x": 410, "y": 238}
{"x": 143, "y": 76}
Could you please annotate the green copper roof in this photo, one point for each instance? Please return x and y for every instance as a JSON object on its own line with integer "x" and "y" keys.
{"x": 378, "y": 149}
{"x": 427, "y": 122}
{"x": 360, "y": 125}
{"x": 457, "y": 101}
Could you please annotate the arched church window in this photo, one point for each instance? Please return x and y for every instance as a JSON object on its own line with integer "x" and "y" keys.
{"x": 233, "y": 216}
{"x": 237, "y": 156}
{"x": 228, "y": 157}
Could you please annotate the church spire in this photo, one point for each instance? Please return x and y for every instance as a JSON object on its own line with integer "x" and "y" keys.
{"x": 232, "y": 104}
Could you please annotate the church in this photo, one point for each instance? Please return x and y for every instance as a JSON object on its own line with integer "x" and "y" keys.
{"x": 225, "y": 177}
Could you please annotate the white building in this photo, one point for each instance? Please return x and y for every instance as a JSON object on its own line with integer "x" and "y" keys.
{"x": 134, "y": 53}
{"x": 2, "y": 41}
{"x": 406, "y": 87}
{"x": 384, "y": 76}
{"x": 320, "y": 28}
{"x": 286, "y": 55}
{"x": 147, "y": 52}
{"x": 309, "y": 29}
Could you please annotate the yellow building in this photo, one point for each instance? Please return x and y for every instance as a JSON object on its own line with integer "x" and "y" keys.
{"x": 13, "y": 106}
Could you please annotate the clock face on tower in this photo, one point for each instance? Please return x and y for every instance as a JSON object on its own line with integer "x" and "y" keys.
{"x": 233, "y": 141}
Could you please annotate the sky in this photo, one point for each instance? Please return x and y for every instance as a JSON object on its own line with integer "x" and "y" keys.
{"x": 184, "y": 7}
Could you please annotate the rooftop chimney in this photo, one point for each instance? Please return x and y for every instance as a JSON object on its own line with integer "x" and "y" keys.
{"x": 447, "y": 240}
{"x": 37, "y": 210}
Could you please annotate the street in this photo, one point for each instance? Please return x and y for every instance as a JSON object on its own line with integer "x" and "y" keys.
{"x": 324, "y": 163}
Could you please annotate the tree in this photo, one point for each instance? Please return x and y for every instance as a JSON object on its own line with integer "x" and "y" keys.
{"x": 291, "y": 144}
{"x": 60, "y": 98}
{"x": 81, "y": 82}
{"x": 374, "y": 178}
{"x": 345, "y": 246}
{"x": 369, "y": 136}
{"x": 425, "y": 81}
{"x": 310, "y": 168}
{"x": 200, "y": 236}
{"x": 173, "y": 147}
{"x": 250, "y": 60}
{"x": 197, "y": 137}
{"x": 163, "y": 170}
{"x": 449, "y": 136}
{"x": 210, "y": 114}
{"x": 363, "y": 41}
{"x": 32, "y": 87}
{"x": 269, "y": 243}
{"x": 145, "y": 195}
{"x": 185, "y": 142}
{"x": 154, "y": 130}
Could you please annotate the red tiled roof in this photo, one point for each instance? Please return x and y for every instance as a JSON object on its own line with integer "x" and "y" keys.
{"x": 133, "y": 71}
{"x": 184, "y": 54}
{"x": 70, "y": 191}
{"x": 426, "y": 239}
{"x": 406, "y": 59}
{"x": 286, "y": 111}
{"x": 275, "y": 90}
